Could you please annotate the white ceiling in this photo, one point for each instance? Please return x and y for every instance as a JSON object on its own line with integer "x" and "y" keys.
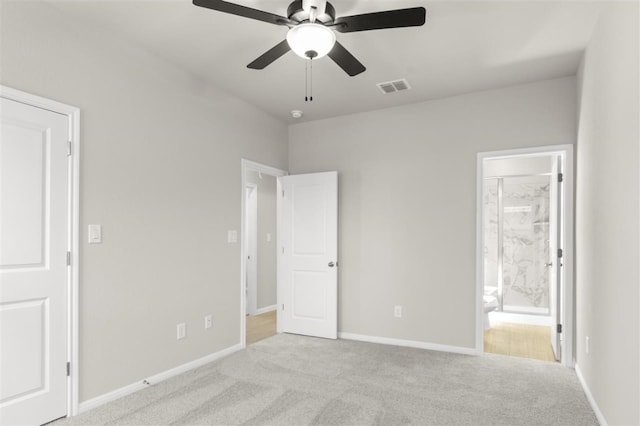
{"x": 465, "y": 46}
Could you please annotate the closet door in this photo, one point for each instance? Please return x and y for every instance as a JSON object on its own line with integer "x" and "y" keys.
{"x": 34, "y": 221}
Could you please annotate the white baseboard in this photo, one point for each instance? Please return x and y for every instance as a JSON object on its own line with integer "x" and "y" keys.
{"x": 408, "y": 343}
{"x": 516, "y": 318}
{"x": 157, "y": 378}
{"x": 266, "y": 309}
{"x": 531, "y": 310}
{"x": 592, "y": 401}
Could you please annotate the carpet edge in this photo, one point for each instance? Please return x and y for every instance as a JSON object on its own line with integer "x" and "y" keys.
{"x": 408, "y": 343}
{"x": 96, "y": 402}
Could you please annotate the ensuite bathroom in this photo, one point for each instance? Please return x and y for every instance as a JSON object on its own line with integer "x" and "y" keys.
{"x": 517, "y": 233}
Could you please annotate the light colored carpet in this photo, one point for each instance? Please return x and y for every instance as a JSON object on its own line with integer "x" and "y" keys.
{"x": 296, "y": 380}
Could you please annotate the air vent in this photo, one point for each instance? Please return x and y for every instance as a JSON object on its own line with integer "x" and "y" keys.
{"x": 393, "y": 86}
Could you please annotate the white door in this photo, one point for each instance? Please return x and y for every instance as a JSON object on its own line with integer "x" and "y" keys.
{"x": 34, "y": 203}
{"x": 308, "y": 257}
{"x": 555, "y": 262}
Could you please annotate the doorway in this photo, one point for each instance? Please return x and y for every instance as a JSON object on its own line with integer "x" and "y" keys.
{"x": 306, "y": 258}
{"x": 524, "y": 253}
{"x": 258, "y": 251}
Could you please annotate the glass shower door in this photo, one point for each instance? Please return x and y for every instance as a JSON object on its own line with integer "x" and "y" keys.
{"x": 525, "y": 240}
{"x": 491, "y": 234}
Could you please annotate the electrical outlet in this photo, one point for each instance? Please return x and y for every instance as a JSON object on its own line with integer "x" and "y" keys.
{"x": 587, "y": 343}
{"x": 397, "y": 311}
{"x": 182, "y": 330}
{"x": 208, "y": 321}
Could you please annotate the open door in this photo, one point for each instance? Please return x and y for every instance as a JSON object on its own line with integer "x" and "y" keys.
{"x": 34, "y": 267}
{"x": 555, "y": 255}
{"x": 308, "y": 254}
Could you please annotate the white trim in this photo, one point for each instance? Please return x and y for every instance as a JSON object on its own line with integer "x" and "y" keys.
{"x": 157, "y": 378}
{"x": 266, "y": 309}
{"x": 515, "y": 318}
{"x": 280, "y": 289}
{"x": 249, "y": 165}
{"x": 36, "y": 101}
{"x": 526, "y": 310}
{"x": 245, "y": 166}
{"x": 480, "y": 326}
{"x": 590, "y": 398}
{"x": 567, "y": 154}
{"x": 73, "y": 243}
{"x": 252, "y": 279}
{"x": 408, "y": 343}
{"x": 75, "y": 268}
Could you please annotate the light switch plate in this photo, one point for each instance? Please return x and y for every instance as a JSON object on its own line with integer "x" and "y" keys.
{"x": 232, "y": 236}
{"x": 182, "y": 331}
{"x": 95, "y": 234}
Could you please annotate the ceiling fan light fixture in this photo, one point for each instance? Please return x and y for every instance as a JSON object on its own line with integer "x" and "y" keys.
{"x": 311, "y": 41}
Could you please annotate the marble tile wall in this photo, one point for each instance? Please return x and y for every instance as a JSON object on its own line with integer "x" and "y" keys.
{"x": 525, "y": 202}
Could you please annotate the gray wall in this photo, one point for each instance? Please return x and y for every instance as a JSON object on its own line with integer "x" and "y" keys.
{"x": 161, "y": 172}
{"x": 407, "y": 201}
{"x": 266, "y": 249}
{"x": 607, "y": 234}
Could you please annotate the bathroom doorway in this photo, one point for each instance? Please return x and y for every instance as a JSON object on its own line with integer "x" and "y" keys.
{"x": 258, "y": 248}
{"x": 524, "y": 282}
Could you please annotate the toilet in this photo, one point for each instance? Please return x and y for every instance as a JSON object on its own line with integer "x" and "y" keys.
{"x": 490, "y": 304}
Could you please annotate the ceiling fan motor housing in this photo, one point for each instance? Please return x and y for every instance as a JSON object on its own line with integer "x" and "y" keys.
{"x": 296, "y": 13}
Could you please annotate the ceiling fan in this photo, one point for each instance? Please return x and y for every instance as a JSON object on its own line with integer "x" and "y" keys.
{"x": 311, "y": 29}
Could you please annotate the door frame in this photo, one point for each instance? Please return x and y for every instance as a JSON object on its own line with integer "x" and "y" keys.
{"x": 250, "y": 242}
{"x": 247, "y": 166}
{"x": 568, "y": 287}
{"x": 73, "y": 239}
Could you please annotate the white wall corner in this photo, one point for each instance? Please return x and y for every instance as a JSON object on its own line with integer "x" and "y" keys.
{"x": 409, "y": 344}
{"x": 155, "y": 379}
{"x": 590, "y": 398}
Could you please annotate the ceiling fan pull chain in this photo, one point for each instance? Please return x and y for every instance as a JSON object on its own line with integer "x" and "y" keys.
{"x": 306, "y": 81}
{"x": 311, "y": 80}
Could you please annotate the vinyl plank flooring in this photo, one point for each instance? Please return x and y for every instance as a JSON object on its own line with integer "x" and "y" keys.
{"x": 520, "y": 340}
{"x": 260, "y": 327}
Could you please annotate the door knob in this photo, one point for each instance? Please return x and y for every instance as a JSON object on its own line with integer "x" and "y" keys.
{"x": 331, "y": 264}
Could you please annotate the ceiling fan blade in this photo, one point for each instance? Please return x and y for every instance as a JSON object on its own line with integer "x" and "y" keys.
{"x": 247, "y": 12}
{"x": 413, "y": 17}
{"x": 346, "y": 60}
{"x": 270, "y": 55}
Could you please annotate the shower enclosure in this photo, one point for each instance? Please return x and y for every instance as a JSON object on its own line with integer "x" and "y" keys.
{"x": 516, "y": 242}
